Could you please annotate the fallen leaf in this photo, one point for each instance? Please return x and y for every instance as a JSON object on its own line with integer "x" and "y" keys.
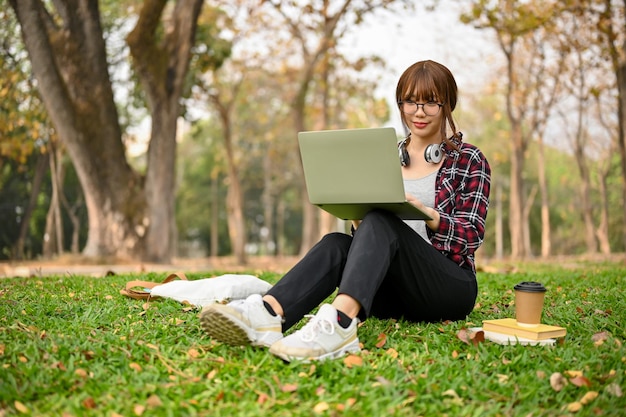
{"x": 139, "y": 409}
{"x": 382, "y": 339}
{"x": 89, "y": 403}
{"x": 154, "y": 401}
{"x": 211, "y": 374}
{"x": 383, "y": 381}
{"x": 108, "y": 297}
{"x": 81, "y": 373}
{"x": 193, "y": 353}
{"x": 135, "y": 366}
{"x": 392, "y": 352}
{"x": 503, "y": 378}
{"x": 470, "y": 337}
{"x": 353, "y": 360}
{"x": 262, "y": 398}
{"x": 455, "y": 397}
{"x": 574, "y": 374}
{"x": 289, "y": 388}
{"x": 580, "y": 381}
{"x": 541, "y": 375}
{"x": 588, "y": 397}
{"x": 320, "y": 407}
{"x": 574, "y": 407}
{"x": 614, "y": 389}
{"x": 599, "y": 338}
{"x": 455, "y": 354}
{"x": 20, "y": 407}
{"x": 557, "y": 381}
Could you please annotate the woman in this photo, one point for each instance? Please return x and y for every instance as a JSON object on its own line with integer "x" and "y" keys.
{"x": 421, "y": 271}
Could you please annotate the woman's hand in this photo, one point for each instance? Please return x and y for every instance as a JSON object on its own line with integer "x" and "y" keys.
{"x": 433, "y": 223}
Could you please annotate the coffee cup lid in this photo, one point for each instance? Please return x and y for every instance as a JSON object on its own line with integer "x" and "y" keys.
{"x": 530, "y": 286}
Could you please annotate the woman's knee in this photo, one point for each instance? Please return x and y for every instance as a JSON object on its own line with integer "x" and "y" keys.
{"x": 380, "y": 217}
{"x": 337, "y": 240}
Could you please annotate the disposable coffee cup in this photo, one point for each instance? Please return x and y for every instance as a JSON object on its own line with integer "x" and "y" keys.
{"x": 529, "y": 298}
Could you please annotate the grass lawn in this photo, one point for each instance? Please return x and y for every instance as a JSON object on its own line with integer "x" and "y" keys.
{"x": 73, "y": 346}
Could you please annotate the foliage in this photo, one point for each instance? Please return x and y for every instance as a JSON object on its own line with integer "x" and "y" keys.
{"x": 71, "y": 345}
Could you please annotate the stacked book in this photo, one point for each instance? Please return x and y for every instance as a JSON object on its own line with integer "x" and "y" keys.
{"x": 507, "y": 331}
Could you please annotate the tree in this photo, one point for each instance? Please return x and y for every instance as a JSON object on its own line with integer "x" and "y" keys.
{"x": 514, "y": 21}
{"x": 612, "y": 25}
{"x": 129, "y": 214}
{"x": 317, "y": 28}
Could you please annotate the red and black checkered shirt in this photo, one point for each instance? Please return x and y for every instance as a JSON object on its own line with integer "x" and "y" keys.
{"x": 462, "y": 200}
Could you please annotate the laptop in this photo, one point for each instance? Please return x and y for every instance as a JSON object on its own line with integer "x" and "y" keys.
{"x": 353, "y": 171}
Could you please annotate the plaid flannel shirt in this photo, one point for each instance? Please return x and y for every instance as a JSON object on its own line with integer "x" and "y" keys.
{"x": 462, "y": 200}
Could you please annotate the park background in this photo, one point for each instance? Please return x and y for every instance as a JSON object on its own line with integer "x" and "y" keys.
{"x": 163, "y": 131}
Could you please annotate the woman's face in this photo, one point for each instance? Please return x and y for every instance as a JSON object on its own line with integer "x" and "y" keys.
{"x": 423, "y": 126}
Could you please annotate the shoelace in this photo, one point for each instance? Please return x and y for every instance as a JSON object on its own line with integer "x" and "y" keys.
{"x": 313, "y": 327}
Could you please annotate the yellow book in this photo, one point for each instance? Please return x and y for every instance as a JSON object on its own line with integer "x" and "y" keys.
{"x": 510, "y": 326}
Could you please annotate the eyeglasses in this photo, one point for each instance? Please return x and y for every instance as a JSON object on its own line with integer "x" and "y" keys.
{"x": 410, "y": 107}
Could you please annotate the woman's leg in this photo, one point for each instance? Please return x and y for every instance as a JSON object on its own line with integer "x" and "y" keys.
{"x": 392, "y": 272}
{"x": 313, "y": 279}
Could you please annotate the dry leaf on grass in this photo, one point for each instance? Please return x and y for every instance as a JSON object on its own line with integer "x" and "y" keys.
{"x": 21, "y": 407}
{"x": 320, "y": 407}
{"x": 139, "y": 409}
{"x": 614, "y": 389}
{"x": 557, "y": 381}
{"x": 580, "y": 381}
{"x": 154, "y": 401}
{"x": 470, "y": 337}
{"x": 353, "y": 360}
{"x": 382, "y": 339}
{"x": 574, "y": 407}
{"x": 89, "y": 403}
{"x": 289, "y": 388}
{"x": 599, "y": 338}
{"x": 588, "y": 397}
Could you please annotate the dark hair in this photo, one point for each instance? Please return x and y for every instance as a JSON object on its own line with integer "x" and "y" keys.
{"x": 430, "y": 81}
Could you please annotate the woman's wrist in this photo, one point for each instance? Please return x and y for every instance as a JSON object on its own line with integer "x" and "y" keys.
{"x": 433, "y": 223}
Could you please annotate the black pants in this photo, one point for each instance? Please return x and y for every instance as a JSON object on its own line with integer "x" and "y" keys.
{"x": 387, "y": 267}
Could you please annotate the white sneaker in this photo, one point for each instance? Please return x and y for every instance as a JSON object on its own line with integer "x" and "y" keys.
{"x": 242, "y": 322}
{"x": 321, "y": 338}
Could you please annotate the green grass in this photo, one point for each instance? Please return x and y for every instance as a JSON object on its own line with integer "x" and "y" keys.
{"x": 72, "y": 346}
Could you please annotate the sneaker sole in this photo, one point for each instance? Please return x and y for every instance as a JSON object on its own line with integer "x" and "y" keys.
{"x": 225, "y": 329}
{"x": 352, "y": 347}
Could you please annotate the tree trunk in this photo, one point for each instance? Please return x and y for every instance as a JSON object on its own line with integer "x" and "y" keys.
{"x": 40, "y": 171}
{"x": 602, "y": 232}
{"x": 53, "y": 236}
{"x": 516, "y": 198}
{"x": 162, "y": 67}
{"x": 214, "y": 249}
{"x": 585, "y": 200}
{"x": 499, "y": 222}
{"x": 69, "y": 63}
{"x": 268, "y": 239}
{"x": 546, "y": 234}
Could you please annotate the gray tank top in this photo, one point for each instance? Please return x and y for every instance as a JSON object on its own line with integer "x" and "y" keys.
{"x": 424, "y": 190}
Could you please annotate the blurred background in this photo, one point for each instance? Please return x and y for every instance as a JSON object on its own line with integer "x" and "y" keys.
{"x": 161, "y": 130}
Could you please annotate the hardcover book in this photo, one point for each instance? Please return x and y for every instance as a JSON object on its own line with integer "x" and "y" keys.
{"x": 510, "y": 326}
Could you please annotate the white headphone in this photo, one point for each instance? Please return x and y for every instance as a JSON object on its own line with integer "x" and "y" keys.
{"x": 434, "y": 153}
